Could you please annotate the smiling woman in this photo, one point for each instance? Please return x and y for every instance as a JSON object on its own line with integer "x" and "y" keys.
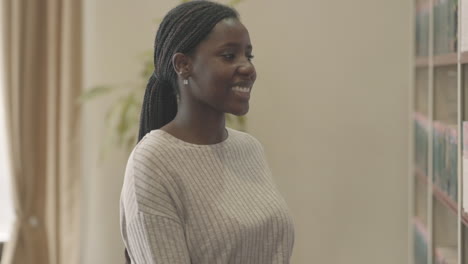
{"x": 195, "y": 191}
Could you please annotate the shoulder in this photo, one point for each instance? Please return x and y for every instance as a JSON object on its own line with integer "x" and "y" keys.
{"x": 245, "y": 139}
{"x": 152, "y": 153}
{"x": 152, "y": 145}
{"x": 149, "y": 174}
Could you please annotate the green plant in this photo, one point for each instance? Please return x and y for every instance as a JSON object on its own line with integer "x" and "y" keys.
{"x": 122, "y": 117}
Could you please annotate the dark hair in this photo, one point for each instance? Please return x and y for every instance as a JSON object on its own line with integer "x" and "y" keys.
{"x": 181, "y": 30}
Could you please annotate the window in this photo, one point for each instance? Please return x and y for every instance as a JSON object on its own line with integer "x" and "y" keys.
{"x": 6, "y": 202}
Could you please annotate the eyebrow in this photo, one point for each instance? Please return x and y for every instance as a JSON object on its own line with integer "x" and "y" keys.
{"x": 234, "y": 44}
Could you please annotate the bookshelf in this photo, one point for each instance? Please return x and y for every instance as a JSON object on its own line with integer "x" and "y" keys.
{"x": 439, "y": 221}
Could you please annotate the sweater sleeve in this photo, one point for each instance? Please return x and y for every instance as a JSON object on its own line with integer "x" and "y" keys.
{"x": 156, "y": 239}
{"x": 151, "y": 226}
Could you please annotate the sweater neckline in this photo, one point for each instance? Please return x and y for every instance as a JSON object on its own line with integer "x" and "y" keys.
{"x": 181, "y": 142}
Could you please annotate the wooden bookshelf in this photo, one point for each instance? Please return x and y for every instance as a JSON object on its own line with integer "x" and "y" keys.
{"x": 445, "y": 59}
{"x": 440, "y": 60}
{"x": 448, "y": 59}
{"x": 440, "y": 195}
{"x": 436, "y": 194}
{"x": 421, "y": 228}
{"x": 421, "y": 175}
{"x": 421, "y": 234}
{"x": 464, "y": 57}
{"x": 465, "y": 219}
{"x": 421, "y": 61}
{"x": 445, "y": 199}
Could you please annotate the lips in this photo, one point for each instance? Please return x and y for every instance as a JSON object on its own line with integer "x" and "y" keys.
{"x": 242, "y": 86}
{"x": 242, "y": 92}
{"x": 241, "y": 89}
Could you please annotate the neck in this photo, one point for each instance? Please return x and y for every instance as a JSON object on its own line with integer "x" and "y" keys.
{"x": 204, "y": 127}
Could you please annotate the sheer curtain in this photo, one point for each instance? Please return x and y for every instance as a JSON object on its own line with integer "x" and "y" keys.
{"x": 42, "y": 51}
{"x": 6, "y": 202}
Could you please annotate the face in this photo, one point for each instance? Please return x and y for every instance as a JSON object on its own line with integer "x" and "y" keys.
{"x": 222, "y": 73}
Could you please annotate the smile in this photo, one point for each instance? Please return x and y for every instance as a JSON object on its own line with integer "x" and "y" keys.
{"x": 241, "y": 89}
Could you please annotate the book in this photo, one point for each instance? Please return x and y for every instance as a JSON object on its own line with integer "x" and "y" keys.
{"x": 465, "y": 165}
{"x": 452, "y": 162}
{"x": 445, "y": 162}
{"x": 421, "y": 135}
{"x": 445, "y": 26}
{"x": 422, "y": 29}
{"x": 420, "y": 242}
{"x": 446, "y": 255}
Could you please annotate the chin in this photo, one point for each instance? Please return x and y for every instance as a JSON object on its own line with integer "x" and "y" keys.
{"x": 240, "y": 112}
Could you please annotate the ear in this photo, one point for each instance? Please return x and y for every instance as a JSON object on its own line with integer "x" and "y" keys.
{"x": 181, "y": 64}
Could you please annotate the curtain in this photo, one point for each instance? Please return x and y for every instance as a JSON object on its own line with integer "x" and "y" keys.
{"x": 42, "y": 41}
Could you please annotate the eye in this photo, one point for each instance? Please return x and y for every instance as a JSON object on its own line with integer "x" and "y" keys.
{"x": 250, "y": 57}
{"x": 228, "y": 56}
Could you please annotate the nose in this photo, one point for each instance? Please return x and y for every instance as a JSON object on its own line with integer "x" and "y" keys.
{"x": 247, "y": 68}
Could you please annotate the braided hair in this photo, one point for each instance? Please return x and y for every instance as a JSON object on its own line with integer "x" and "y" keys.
{"x": 181, "y": 30}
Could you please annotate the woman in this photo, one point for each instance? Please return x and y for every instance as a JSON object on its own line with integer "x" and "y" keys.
{"x": 194, "y": 190}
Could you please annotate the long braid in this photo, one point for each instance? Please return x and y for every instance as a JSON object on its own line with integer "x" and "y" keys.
{"x": 160, "y": 106}
{"x": 181, "y": 30}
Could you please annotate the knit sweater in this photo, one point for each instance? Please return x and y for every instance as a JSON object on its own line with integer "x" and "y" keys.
{"x": 203, "y": 204}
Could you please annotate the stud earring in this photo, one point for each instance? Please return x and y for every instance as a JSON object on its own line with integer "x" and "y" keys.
{"x": 185, "y": 82}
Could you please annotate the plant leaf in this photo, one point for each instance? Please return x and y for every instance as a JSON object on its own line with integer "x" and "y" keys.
{"x": 126, "y": 121}
{"x": 95, "y": 92}
{"x": 234, "y": 2}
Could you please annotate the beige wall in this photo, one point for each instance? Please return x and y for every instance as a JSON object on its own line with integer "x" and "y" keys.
{"x": 330, "y": 105}
{"x": 116, "y": 33}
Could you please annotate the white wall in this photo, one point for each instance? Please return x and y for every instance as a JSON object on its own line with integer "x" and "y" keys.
{"x": 330, "y": 105}
{"x": 116, "y": 32}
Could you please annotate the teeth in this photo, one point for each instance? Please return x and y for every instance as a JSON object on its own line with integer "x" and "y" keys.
{"x": 241, "y": 89}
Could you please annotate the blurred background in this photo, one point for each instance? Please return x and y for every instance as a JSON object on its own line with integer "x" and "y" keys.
{"x": 331, "y": 105}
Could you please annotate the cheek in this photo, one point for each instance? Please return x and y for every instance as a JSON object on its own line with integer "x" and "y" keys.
{"x": 209, "y": 72}
{"x": 213, "y": 79}
{"x": 218, "y": 78}
{"x": 210, "y": 87}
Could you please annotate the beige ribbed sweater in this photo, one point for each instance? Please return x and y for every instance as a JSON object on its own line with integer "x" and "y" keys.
{"x": 203, "y": 204}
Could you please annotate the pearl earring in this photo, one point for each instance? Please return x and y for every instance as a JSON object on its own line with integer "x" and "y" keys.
{"x": 185, "y": 80}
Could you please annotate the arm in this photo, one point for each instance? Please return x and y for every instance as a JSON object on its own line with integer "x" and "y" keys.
{"x": 156, "y": 239}
{"x": 152, "y": 228}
